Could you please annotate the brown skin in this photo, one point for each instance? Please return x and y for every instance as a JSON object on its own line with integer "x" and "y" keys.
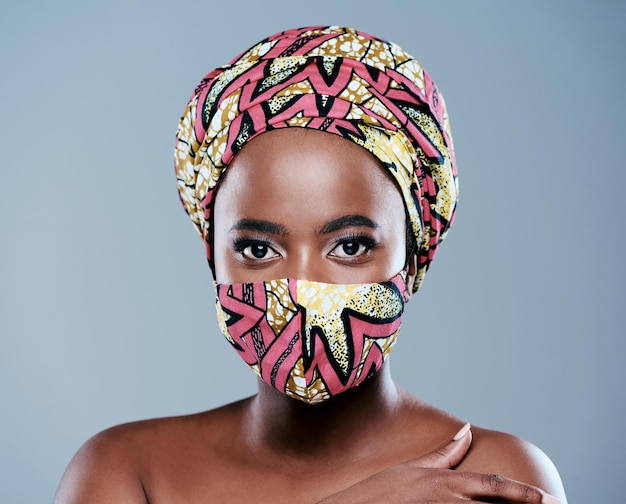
{"x": 375, "y": 443}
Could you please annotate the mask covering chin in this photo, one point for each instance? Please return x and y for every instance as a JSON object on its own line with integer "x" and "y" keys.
{"x": 312, "y": 340}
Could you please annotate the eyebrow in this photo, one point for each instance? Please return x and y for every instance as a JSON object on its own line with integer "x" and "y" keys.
{"x": 261, "y": 226}
{"x": 338, "y": 224}
{"x": 348, "y": 221}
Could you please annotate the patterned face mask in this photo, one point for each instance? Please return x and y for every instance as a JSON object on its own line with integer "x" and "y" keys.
{"x": 312, "y": 340}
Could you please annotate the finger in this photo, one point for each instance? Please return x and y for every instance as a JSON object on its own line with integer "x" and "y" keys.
{"x": 450, "y": 455}
{"x": 480, "y": 486}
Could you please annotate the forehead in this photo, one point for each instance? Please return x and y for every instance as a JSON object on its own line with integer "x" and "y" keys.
{"x": 294, "y": 166}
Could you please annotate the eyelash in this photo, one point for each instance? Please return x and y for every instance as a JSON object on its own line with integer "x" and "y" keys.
{"x": 366, "y": 241}
{"x": 242, "y": 243}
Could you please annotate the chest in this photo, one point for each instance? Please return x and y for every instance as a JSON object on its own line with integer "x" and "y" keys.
{"x": 193, "y": 479}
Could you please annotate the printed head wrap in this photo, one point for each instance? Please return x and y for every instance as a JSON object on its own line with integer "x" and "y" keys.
{"x": 332, "y": 79}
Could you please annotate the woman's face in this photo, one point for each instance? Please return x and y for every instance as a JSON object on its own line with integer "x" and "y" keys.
{"x": 308, "y": 205}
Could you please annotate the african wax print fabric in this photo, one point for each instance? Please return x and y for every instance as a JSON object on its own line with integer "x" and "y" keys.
{"x": 333, "y": 79}
{"x": 312, "y": 340}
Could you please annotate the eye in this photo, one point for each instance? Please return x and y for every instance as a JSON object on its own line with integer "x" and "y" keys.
{"x": 353, "y": 247}
{"x": 255, "y": 250}
{"x": 350, "y": 248}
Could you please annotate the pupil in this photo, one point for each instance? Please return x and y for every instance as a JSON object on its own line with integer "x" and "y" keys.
{"x": 259, "y": 251}
{"x": 351, "y": 248}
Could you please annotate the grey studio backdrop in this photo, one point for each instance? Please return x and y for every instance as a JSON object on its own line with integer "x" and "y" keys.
{"x": 106, "y": 308}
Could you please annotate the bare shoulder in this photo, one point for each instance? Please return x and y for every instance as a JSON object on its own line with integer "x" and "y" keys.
{"x": 121, "y": 463}
{"x": 491, "y": 452}
{"x": 104, "y": 469}
{"x": 512, "y": 457}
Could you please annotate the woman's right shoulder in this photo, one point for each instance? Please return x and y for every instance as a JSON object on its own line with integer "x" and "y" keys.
{"x": 113, "y": 465}
{"x": 105, "y": 469}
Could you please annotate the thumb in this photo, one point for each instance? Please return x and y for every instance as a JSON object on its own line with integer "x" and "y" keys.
{"x": 450, "y": 455}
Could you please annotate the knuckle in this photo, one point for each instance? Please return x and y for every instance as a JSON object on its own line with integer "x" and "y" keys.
{"x": 436, "y": 481}
{"x": 531, "y": 494}
{"x": 493, "y": 482}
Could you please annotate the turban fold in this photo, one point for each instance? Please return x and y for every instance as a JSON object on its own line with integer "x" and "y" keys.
{"x": 332, "y": 79}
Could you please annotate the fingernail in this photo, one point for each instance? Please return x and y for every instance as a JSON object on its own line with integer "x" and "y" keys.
{"x": 464, "y": 430}
{"x": 549, "y": 499}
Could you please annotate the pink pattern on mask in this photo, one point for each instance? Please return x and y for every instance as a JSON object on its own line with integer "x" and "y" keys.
{"x": 336, "y": 362}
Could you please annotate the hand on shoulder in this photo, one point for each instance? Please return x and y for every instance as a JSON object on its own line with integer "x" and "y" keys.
{"x": 502, "y": 468}
{"x": 500, "y": 454}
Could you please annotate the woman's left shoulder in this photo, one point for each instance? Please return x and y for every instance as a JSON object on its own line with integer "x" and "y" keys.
{"x": 500, "y": 453}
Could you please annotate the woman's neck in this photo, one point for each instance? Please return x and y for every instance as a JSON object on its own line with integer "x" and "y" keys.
{"x": 291, "y": 429}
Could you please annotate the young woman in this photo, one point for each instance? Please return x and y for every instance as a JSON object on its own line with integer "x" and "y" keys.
{"x": 319, "y": 170}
